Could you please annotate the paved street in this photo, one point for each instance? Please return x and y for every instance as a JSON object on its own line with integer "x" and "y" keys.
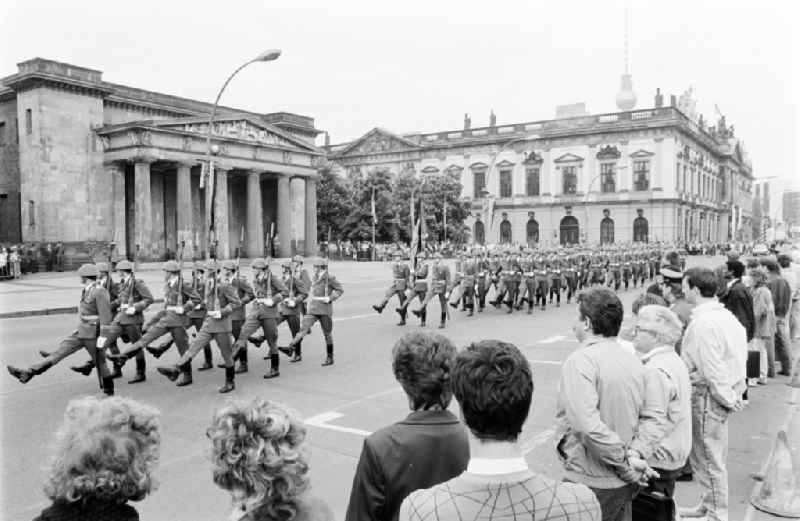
{"x": 341, "y": 403}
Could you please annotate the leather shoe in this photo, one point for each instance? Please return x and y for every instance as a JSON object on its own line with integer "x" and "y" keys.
{"x": 138, "y": 377}
{"x": 23, "y": 375}
{"x": 241, "y": 367}
{"x": 43, "y": 353}
{"x": 205, "y": 367}
{"x": 273, "y": 373}
{"x": 256, "y": 341}
{"x": 287, "y": 350}
{"x": 184, "y": 379}
{"x": 296, "y": 358}
{"x": 328, "y": 361}
{"x": 171, "y": 372}
{"x": 85, "y": 369}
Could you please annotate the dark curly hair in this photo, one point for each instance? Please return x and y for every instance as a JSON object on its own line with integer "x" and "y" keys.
{"x": 493, "y": 384}
{"x": 603, "y": 309}
{"x": 422, "y": 363}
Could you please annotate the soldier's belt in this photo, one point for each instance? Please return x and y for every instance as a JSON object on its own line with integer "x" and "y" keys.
{"x": 541, "y": 272}
{"x": 508, "y": 272}
{"x": 529, "y": 274}
{"x": 89, "y": 318}
{"x": 614, "y": 265}
{"x": 570, "y": 269}
{"x": 399, "y": 280}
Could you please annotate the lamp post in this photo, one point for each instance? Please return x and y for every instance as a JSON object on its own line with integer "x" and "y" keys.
{"x": 208, "y": 184}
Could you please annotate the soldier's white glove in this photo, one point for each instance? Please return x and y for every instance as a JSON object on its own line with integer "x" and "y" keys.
{"x": 130, "y": 311}
{"x": 215, "y": 314}
{"x": 290, "y": 303}
{"x": 178, "y": 310}
{"x": 269, "y": 302}
{"x": 326, "y": 300}
{"x": 447, "y": 295}
{"x": 101, "y": 342}
{"x": 198, "y": 307}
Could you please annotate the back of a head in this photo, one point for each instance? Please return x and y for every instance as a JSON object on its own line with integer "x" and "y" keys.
{"x": 704, "y": 279}
{"x": 655, "y": 289}
{"x": 673, "y": 258}
{"x": 603, "y": 309}
{"x": 493, "y": 384}
{"x": 752, "y": 262}
{"x": 736, "y": 268}
{"x": 422, "y": 363}
{"x": 784, "y": 260}
{"x": 647, "y": 299}
{"x": 771, "y": 265}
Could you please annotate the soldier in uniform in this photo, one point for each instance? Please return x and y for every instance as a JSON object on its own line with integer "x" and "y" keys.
{"x": 268, "y": 291}
{"x": 457, "y": 293}
{"x": 230, "y": 273}
{"x": 541, "y": 279}
{"x": 179, "y": 298}
{"x": 401, "y": 274}
{"x": 469, "y": 269}
{"x": 482, "y": 280}
{"x": 324, "y": 290}
{"x": 297, "y": 283}
{"x": 94, "y": 312}
{"x": 419, "y": 286}
{"x": 614, "y": 270}
{"x": 440, "y": 287}
{"x": 554, "y": 267}
{"x": 528, "y": 291}
{"x": 571, "y": 273}
{"x": 220, "y": 301}
{"x": 495, "y": 268}
{"x": 627, "y": 269}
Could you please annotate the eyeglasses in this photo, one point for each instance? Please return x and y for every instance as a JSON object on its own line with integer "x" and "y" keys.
{"x": 637, "y": 329}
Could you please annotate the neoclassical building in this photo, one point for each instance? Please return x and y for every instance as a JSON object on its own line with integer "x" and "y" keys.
{"x": 86, "y": 161}
{"x": 637, "y": 175}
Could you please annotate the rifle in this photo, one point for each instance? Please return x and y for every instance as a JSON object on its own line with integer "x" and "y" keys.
{"x": 179, "y": 300}
{"x": 239, "y": 251}
{"x": 111, "y": 247}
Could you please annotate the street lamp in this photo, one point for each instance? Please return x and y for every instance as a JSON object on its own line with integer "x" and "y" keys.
{"x": 210, "y": 186}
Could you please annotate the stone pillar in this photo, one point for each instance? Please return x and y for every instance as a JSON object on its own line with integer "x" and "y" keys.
{"x": 143, "y": 213}
{"x": 117, "y": 173}
{"x": 221, "y": 223}
{"x": 298, "y": 189}
{"x": 184, "y": 208}
{"x": 284, "y": 223}
{"x": 311, "y": 216}
{"x": 255, "y": 225}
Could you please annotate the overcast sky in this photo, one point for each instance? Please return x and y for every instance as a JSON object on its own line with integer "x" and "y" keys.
{"x": 420, "y": 65}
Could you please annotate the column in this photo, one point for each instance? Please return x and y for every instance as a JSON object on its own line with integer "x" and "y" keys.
{"x": 117, "y": 173}
{"x": 311, "y": 216}
{"x": 546, "y": 181}
{"x": 184, "y": 209}
{"x": 143, "y": 215}
{"x": 298, "y": 189}
{"x": 284, "y": 217}
{"x": 221, "y": 214}
{"x": 255, "y": 227}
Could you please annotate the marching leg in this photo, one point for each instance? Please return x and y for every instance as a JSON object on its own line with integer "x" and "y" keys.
{"x": 326, "y": 323}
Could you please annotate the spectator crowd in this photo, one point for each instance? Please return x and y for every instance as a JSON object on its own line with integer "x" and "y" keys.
{"x": 632, "y": 417}
{"x": 17, "y": 260}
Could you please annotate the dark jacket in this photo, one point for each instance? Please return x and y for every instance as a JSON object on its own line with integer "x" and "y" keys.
{"x": 91, "y": 510}
{"x": 738, "y": 301}
{"x": 781, "y": 295}
{"x": 425, "y": 449}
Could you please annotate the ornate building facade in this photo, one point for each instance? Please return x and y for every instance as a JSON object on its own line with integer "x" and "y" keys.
{"x": 653, "y": 174}
{"x": 86, "y": 161}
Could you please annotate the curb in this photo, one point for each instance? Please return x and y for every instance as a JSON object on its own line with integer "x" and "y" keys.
{"x": 50, "y": 311}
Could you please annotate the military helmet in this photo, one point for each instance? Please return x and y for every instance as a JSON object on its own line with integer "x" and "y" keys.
{"x": 125, "y": 265}
{"x": 212, "y": 265}
{"x": 298, "y": 259}
{"x": 199, "y": 266}
{"x": 258, "y": 264}
{"x": 171, "y": 266}
{"x": 321, "y": 262}
{"x": 286, "y": 264}
{"x": 102, "y": 267}
{"x": 229, "y": 265}
{"x": 88, "y": 270}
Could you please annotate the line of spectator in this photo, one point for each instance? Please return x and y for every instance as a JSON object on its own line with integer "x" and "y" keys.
{"x": 20, "y": 259}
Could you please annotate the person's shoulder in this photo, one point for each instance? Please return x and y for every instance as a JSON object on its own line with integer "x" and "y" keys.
{"x": 564, "y": 490}
{"x": 312, "y": 508}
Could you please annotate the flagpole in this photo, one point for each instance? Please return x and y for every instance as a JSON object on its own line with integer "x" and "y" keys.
{"x": 444, "y": 218}
{"x": 374, "y": 218}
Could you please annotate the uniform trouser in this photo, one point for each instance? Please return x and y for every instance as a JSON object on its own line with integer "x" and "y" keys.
{"x": 597, "y": 275}
{"x": 710, "y": 452}
{"x": 571, "y": 278}
{"x": 615, "y": 279}
{"x": 615, "y": 503}
{"x": 325, "y": 322}
{"x": 178, "y": 334}
{"x": 72, "y": 344}
{"x": 442, "y": 302}
{"x": 783, "y": 347}
{"x": 626, "y": 276}
{"x": 542, "y": 290}
{"x": 457, "y": 292}
{"x": 411, "y": 295}
{"x": 481, "y": 290}
{"x": 133, "y": 333}
{"x": 401, "y": 295}
{"x": 510, "y": 290}
{"x": 654, "y": 267}
{"x": 555, "y": 289}
{"x": 468, "y": 296}
{"x": 292, "y": 320}
{"x": 499, "y": 289}
{"x": 203, "y": 340}
{"x": 637, "y": 274}
{"x": 530, "y": 290}
{"x": 197, "y": 322}
{"x": 254, "y": 321}
{"x": 236, "y": 330}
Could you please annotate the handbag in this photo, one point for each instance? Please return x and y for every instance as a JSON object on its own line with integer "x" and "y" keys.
{"x": 653, "y": 506}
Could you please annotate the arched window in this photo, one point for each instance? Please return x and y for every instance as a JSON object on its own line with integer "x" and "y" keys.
{"x": 607, "y": 231}
{"x": 532, "y": 231}
{"x": 505, "y": 232}
{"x": 569, "y": 230}
{"x": 480, "y": 233}
{"x": 640, "y": 229}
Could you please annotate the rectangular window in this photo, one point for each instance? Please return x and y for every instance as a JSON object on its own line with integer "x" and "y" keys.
{"x": 641, "y": 175}
{"x": 569, "y": 180}
{"x": 28, "y": 122}
{"x": 2, "y": 133}
{"x": 532, "y": 181}
{"x": 31, "y": 214}
{"x": 479, "y": 184}
{"x": 685, "y": 186}
{"x": 608, "y": 183}
{"x": 505, "y": 183}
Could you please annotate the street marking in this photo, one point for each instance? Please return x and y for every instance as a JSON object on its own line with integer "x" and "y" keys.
{"x": 540, "y": 439}
{"x": 556, "y": 338}
{"x": 354, "y": 317}
{"x": 321, "y": 421}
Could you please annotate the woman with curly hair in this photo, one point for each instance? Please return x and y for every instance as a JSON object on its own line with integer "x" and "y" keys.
{"x": 258, "y": 456}
{"x": 103, "y": 455}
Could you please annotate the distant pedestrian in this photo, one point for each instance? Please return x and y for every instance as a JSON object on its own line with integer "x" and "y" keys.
{"x": 764, "y": 335}
{"x": 735, "y": 297}
{"x": 782, "y": 299}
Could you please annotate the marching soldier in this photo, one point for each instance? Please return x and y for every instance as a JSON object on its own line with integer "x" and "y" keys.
{"x": 94, "y": 312}
{"x": 494, "y": 275}
{"x": 297, "y": 284}
{"x": 469, "y": 269}
{"x": 300, "y": 274}
{"x": 571, "y": 273}
{"x": 554, "y": 267}
{"x": 324, "y": 290}
{"x": 541, "y": 279}
{"x": 627, "y": 269}
{"x": 457, "y": 293}
{"x": 179, "y": 299}
{"x": 401, "y": 274}
{"x": 220, "y": 300}
{"x": 269, "y": 291}
{"x": 440, "y": 287}
{"x": 230, "y": 273}
{"x": 528, "y": 291}
{"x": 419, "y": 286}
{"x": 614, "y": 270}
{"x": 482, "y": 280}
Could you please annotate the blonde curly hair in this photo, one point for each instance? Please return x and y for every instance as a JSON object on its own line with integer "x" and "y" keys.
{"x": 257, "y": 450}
{"x": 105, "y": 449}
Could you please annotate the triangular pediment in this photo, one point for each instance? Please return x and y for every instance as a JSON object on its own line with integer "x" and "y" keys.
{"x": 642, "y": 154}
{"x": 505, "y": 163}
{"x": 430, "y": 169}
{"x": 236, "y": 126}
{"x": 377, "y": 141}
{"x": 568, "y": 158}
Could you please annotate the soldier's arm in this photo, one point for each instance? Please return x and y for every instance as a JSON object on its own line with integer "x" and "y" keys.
{"x": 103, "y": 303}
{"x": 335, "y": 287}
{"x": 279, "y": 289}
{"x": 191, "y": 297}
{"x": 301, "y": 289}
{"x": 144, "y": 293}
{"x": 231, "y": 298}
{"x": 247, "y": 288}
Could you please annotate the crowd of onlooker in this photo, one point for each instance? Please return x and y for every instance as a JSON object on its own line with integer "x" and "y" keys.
{"x": 637, "y": 410}
{"x": 17, "y": 260}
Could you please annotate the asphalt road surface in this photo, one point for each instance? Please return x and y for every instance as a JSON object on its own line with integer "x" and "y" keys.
{"x": 341, "y": 404}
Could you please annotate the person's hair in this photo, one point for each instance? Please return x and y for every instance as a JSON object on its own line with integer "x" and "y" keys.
{"x": 603, "y": 309}
{"x": 771, "y": 265}
{"x": 675, "y": 288}
{"x": 105, "y": 449}
{"x": 665, "y": 324}
{"x": 257, "y": 448}
{"x": 673, "y": 258}
{"x": 655, "y": 289}
{"x": 647, "y": 299}
{"x": 736, "y": 268}
{"x": 784, "y": 260}
{"x": 758, "y": 275}
{"x": 493, "y": 383}
{"x": 422, "y": 363}
{"x": 752, "y": 262}
{"x": 704, "y": 280}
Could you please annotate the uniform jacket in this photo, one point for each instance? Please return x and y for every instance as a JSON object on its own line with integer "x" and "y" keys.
{"x": 421, "y": 277}
{"x": 470, "y": 270}
{"x": 440, "y": 279}
{"x": 224, "y": 299}
{"x": 401, "y": 273}
{"x": 297, "y": 290}
{"x": 323, "y": 285}
{"x": 267, "y": 285}
{"x": 94, "y": 310}
{"x": 134, "y": 293}
{"x": 245, "y": 293}
{"x": 187, "y": 298}
{"x": 199, "y": 288}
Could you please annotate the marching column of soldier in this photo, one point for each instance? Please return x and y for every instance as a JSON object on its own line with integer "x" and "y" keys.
{"x": 213, "y": 302}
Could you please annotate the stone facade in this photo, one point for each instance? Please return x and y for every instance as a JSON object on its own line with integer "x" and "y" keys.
{"x": 652, "y": 174}
{"x": 98, "y": 162}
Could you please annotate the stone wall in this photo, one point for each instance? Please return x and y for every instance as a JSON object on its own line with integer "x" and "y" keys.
{"x": 9, "y": 175}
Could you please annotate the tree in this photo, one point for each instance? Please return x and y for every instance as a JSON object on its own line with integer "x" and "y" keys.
{"x": 332, "y": 204}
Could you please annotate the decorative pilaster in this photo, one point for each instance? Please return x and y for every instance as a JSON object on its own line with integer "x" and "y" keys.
{"x": 184, "y": 208}
{"x": 298, "y": 189}
{"x": 255, "y": 226}
{"x": 143, "y": 216}
{"x": 284, "y": 217}
{"x": 311, "y": 216}
{"x": 221, "y": 220}
{"x": 117, "y": 173}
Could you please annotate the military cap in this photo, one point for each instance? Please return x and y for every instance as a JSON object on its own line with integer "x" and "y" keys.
{"x": 229, "y": 265}
{"x": 286, "y": 264}
{"x": 319, "y": 261}
{"x": 212, "y": 265}
{"x": 102, "y": 267}
{"x": 125, "y": 265}
{"x": 171, "y": 266}
{"x": 298, "y": 259}
{"x": 258, "y": 264}
{"x": 88, "y": 270}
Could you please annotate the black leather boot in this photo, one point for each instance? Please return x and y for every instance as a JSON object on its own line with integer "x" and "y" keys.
{"x": 185, "y": 377}
{"x": 443, "y": 319}
{"x": 329, "y": 355}
{"x": 242, "y": 366}
{"x": 108, "y": 386}
{"x": 274, "y": 363}
{"x": 256, "y": 340}
{"x": 171, "y": 371}
{"x": 207, "y": 363}
{"x": 85, "y": 369}
{"x": 229, "y": 382}
{"x": 298, "y": 354}
{"x": 140, "y": 371}
{"x": 402, "y": 313}
{"x": 379, "y": 307}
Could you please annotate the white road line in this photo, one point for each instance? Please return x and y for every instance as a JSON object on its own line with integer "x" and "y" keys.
{"x": 540, "y": 439}
{"x": 552, "y": 339}
{"x": 321, "y": 421}
{"x": 354, "y": 317}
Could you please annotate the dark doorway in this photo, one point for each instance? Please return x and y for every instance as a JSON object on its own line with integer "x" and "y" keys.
{"x": 640, "y": 229}
{"x": 480, "y": 233}
{"x": 532, "y": 232}
{"x": 505, "y": 232}
{"x": 607, "y": 231}
{"x": 569, "y": 230}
